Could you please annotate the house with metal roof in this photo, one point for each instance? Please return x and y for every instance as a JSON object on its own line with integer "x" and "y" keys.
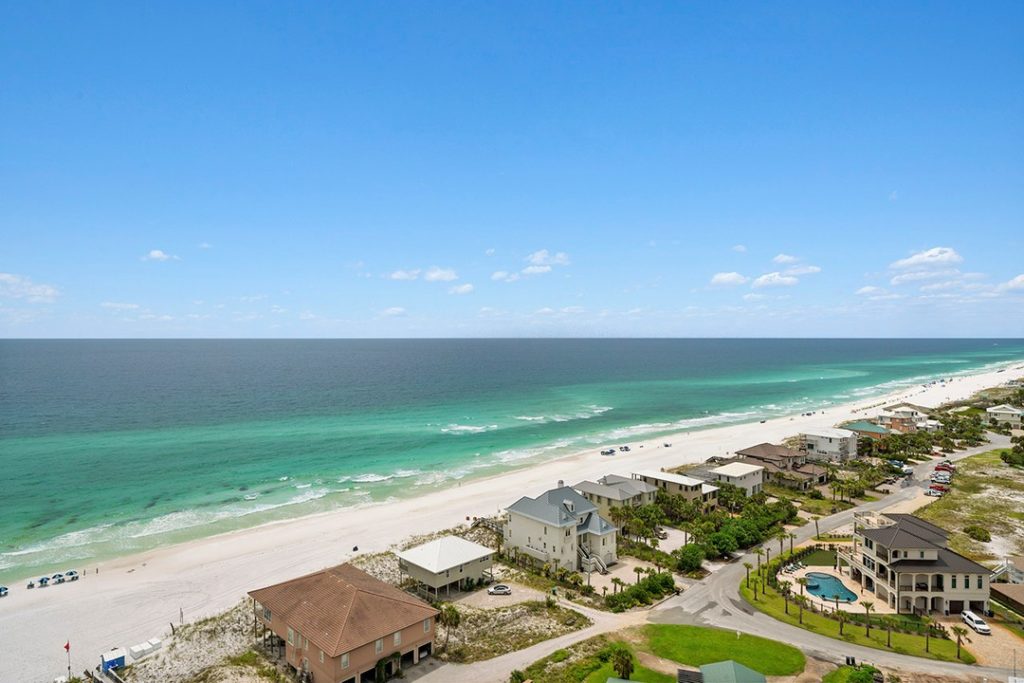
{"x": 866, "y": 428}
{"x": 338, "y": 623}
{"x": 613, "y": 490}
{"x": 445, "y": 562}
{"x": 906, "y": 562}
{"x": 721, "y": 672}
{"x": 562, "y": 528}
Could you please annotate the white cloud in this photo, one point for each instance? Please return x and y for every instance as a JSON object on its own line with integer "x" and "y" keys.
{"x": 545, "y": 311}
{"x": 393, "y": 312}
{"x": 205, "y": 245}
{"x": 939, "y": 286}
{"x": 411, "y": 274}
{"x": 741, "y": 248}
{"x": 307, "y": 315}
{"x": 727, "y": 279}
{"x": 154, "y": 316}
{"x": 869, "y": 290}
{"x": 927, "y": 258}
{"x": 158, "y": 255}
{"x": 1014, "y": 285}
{"x": 461, "y": 289}
{"x": 504, "y": 276}
{"x": 573, "y": 310}
{"x": 536, "y": 270}
{"x": 802, "y": 270}
{"x": 435, "y": 274}
{"x": 278, "y": 309}
{"x": 119, "y": 306}
{"x": 20, "y": 287}
{"x": 543, "y": 257}
{"x": 775, "y": 280}
{"x": 753, "y": 297}
{"x": 785, "y": 258}
{"x": 918, "y": 275}
{"x": 489, "y": 252}
{"x": 894, "y": 195}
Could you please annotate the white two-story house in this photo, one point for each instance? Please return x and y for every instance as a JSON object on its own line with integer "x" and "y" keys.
{"x": 744, "y": 476}
{"x": 562, "y": 528}
{"x": 903, "y": 560}
{"x": 1005, "y": 414}
{"x": 836, "y": 445}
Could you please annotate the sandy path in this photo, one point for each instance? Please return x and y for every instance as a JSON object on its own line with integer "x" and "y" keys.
{"x": 135, "y": 598}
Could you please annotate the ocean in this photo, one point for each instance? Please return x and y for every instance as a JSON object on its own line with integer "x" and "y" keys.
{"x": 113, "y": 447}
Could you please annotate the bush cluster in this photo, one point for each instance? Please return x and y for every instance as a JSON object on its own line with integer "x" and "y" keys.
{"x": 646, "y": 591}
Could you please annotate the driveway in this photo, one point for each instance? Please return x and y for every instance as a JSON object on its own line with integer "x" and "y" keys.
{"x": 480, "y": 598}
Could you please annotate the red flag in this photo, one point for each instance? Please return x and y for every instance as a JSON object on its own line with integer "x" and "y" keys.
{"x": 67, "y": 646}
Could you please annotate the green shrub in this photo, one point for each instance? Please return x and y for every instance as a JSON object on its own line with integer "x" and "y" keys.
{"x": 689, "y": 558}
{"x": 978, "y": 533}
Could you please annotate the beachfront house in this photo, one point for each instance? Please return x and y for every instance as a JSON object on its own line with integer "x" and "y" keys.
{"x": 864, "y": 428}
{"x": 445, "y": 562}
{"x": 905, "y": 562}
{"x": 1005, "y": 414}
{"x": 783, "y": 466}
{"x": 561, "y": 528}
{"x": 749, "y": 478}
{"x": 338, "y": 623}
{"x": 834, "y": 445}
{"x": 690, "y": 488}
{"x": 906, "y": 418}
{"x": 613, "y": 490}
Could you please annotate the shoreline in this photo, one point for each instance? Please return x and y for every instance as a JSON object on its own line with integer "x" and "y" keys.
{"x": 134, "y": 597}
{"x": 653, "y": 437}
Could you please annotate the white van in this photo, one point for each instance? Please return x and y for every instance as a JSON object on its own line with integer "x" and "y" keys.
{"x": 976, "y": 622}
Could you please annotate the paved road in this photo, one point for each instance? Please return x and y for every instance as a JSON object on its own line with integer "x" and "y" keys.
{"x": 716, "y": 601}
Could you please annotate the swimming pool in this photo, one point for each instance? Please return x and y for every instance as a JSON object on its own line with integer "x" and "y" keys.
{"x": 827, "y": 587}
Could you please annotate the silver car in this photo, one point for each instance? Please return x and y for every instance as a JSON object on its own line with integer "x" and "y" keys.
{"x": 500, "y": 589}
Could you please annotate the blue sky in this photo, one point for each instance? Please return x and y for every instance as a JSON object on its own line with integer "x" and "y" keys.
{"x": 482, "y": 169}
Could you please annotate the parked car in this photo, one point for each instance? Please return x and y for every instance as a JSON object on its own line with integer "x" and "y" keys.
{"x": 976, "y": 622}
{"x": 71, "y": 575}
{"x": 934, "y": 492}
{"x": 57, "y": 578}
{"x": 3, "y": 591}
{"x": 499, "y": 589}
{"x": 938, "y": 487}
{"x": 624, "y": 449}
{"x": 608, "y": 451}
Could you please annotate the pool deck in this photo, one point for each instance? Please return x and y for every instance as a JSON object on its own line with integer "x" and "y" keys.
{"x": 879, "y": 606}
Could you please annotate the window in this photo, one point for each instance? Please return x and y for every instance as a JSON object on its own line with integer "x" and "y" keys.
{"x": 321, "y": 656}
{"x": 291, "y": 636}
{"x": 426, "y": 625}
{"x": 952, "y": 581}
{"x": 967, "y": 581}
{"x": 979, "y": 581}
{"x": 378, "y": 647}
{"x": 344, "y": 661}
{"x": 397, "y": 638}
{"x": 922, "y": 554}
{"x": 266, "y": 613}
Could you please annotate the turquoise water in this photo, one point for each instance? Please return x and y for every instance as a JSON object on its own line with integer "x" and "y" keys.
{"x": 112, "y": 447}
{"x": 827, "y": 587}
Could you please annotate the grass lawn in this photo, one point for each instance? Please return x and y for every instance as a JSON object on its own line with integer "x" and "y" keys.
{"x": 694, "y": 645}
{"x": 978, "y": 497}
{"x": 840, "y": 675}
{"x": 773, "y": 605}
{"x": 639, "y": 674}
{"x": 820, "y": 558}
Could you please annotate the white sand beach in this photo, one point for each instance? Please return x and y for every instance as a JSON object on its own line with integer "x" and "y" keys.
{"x": 135, "y": 598}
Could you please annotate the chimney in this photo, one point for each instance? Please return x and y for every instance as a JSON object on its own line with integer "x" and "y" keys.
{"x": 561, "y": 483}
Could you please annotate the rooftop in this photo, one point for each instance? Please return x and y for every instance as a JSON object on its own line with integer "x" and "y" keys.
{"x": 559, "y": 507}
{"x": 444, "y": 553}
{"x": 1005, "y": 408}
{"x": 770, "y": 451}
{"x": 669, "y": 477}
{"x": 342, "y": 608}
{"x": 737, "y": 469}
{"x": 865, "y": 426}
{"x": 615, "y": 487}
{"x": 830, "y": 432}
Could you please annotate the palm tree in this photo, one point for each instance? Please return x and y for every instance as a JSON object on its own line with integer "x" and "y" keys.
{"x": 622, "y": 662}
{"x": 760, "y": 554}
{"x": 604, "y": 591}
{"x": 960, "y": 632}
{"x": 817, "y": 533}
{"x": 801, "y": 601}
{"x": 803, "y": 584}
{"x": 780, "y": 535}
{"x": 926, "y": 621}
{"x": 638, "y": 571}
{"x": 867, "y": 605}
{"x": 792, "y": 537}
{"x": 450, "y": 618}
{"x": 617, "y": 582}
{"x": 836, "y": 598}
{"x": 888, "y": 622}
{"x": 784, "y": 586}
{"x": 841, "y": 617}
{"x": 748, "y": 567}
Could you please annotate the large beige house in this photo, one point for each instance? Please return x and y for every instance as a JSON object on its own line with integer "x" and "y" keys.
{"x": 1006, "y": 413}
{"x": 613, "y": 490}
{"x": 690, "y": 488}
{"x": 834, "y": 445}
{"x": 445, "y": 562}
{"x": 562, "y": 528}
{"x": 905, "y": 562}
{"x": 744, "y": 476}
{"x": 338, "y": 623}
{"x": 784, "y": 466}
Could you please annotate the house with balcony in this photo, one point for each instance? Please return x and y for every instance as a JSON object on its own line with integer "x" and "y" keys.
{"x": 613, "y": 490}
{"x": 445, "y": 562}
{"x": 744, "y": 476}
{"x": 783, "y": 466}
{"x": 834, "y": 445}
{"x": 690, "y": 488}
{"x": 562, "y": 528}
{"x": 907, "y": 418}
{"x": 906, "y": 562}
{"x": 337, "y": 624}
{"x": 1005, "y": 414}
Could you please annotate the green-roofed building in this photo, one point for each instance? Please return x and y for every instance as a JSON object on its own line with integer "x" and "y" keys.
{"x": 730, "y": 672}
{"x": 865, "y": 428}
